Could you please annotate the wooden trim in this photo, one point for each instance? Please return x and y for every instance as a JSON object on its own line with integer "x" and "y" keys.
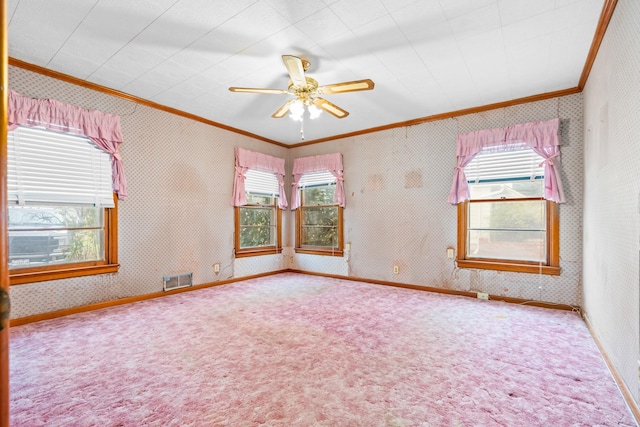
{"x": 603, "y": 23}
{"x": 279, "y": 226}
{"x": 319, "y": 251}
{"x": 339, "y": 251}
{"x": 500, "y": 265}
{"x": 99, "y": 88}
{"x": 111, "y": 232}
{"x": 4, "y": 239}
{"x": 624, "y": 390}
{"x": 553, "y": 235}
{"x": 266, "y": 250}
{"x": 43, "y": 276}
{"x": 78, "y": 269}
{"x": 129, "y": 300}
{"x": 462, "y": 230}
{"x": 236, "y": 225}
{"x": 451, "y": 114}
{"x": 122, "y": 95}
{"x": 298, "y": 213}
{"x": 552, "y": 265}
{"x": 510, "y": 300}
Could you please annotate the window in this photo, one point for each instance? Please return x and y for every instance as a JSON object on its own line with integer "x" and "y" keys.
{"x": 507, "y": 224}
{"x": 62, "y": 211}
{"x": 258, "y": 197}
{"x": 259, "y": 221}
{"x": 319, "y": 217}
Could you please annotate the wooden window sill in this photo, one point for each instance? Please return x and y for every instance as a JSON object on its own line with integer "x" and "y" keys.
{"x": 17, "y": 278}
{"x": 316, "y": 251}
{"x": 257, "y": 252}
{"x": 509, "y": 266}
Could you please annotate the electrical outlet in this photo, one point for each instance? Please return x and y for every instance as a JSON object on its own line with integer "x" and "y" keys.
{"x": 450, "y": 253}
{"x": 216, "y": 268}
{"x": 482, "y": 295}
{"x": 347, "y": 247}
{"x": 396, "y": 270}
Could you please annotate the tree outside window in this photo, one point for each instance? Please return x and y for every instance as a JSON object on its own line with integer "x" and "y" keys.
{"x": 319, "y": 221}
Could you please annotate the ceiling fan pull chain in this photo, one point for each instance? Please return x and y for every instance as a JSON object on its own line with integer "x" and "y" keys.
{"x": 302, "y": 129}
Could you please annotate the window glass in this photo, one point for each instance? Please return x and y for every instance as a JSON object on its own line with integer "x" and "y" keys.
{"x": 45, "y": 235}
{"x": 506, "y": 190}
{"x": 258, "y": 222}
{"x": 320, "y": 226}
{"x": 318, "y": 195}
{"x": 319, "y": 218}
{"x": 513, "y": 230}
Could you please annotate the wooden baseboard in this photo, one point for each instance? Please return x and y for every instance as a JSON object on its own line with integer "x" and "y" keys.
{"x": 626, "y": 393}
{"x": 470, "y": 294}
{"x": 129, "y": 300}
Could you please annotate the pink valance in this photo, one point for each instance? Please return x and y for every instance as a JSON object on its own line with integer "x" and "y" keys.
{"x": 246, "y": 160}
{"x": 102, "y": 129}
{"x": 321, "y": 163}
{"x": 542, "y": 137}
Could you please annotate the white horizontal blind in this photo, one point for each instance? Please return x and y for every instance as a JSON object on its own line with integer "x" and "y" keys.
{"x": 316, "y": 178}
{"x": 505, "y": 166}
{"x": 46, "y": 167}
{"x": 259, "y": 182}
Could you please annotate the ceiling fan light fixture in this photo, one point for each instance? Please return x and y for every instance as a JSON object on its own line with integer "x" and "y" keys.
{"x": 307, "y": 93}
{"x": 296, "y": 111}
{"x": 314, "y": 112}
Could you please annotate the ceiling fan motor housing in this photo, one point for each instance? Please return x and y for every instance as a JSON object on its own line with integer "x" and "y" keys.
{"x": 304, "y": 93}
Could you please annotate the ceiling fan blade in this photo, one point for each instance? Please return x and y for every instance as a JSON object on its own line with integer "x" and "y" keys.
{"x": 353, "y": 86}
{"x": 258, "y": 90}
{"x": 330, "y": 108}
{"x": 282, "y": 111}
{"x": 295, "y": 70}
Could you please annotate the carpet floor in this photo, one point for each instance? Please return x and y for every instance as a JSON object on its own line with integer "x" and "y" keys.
{"x": 301, "y": 350}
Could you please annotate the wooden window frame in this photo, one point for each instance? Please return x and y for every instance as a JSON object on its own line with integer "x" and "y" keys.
{"x": 78, "y": 269}
{"x": 318, "y": 250}
{"x": 551, "y": 266}
{"x": 262, "y": 250}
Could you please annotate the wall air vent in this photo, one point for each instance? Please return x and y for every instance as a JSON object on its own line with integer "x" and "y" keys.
{"x": 177, "y": 281}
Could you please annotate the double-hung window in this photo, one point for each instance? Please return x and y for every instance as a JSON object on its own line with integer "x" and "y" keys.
{"x": 319, "y": 217}
{"x": 319, "y": 201}
{"x": 64, "y": 171}
{"x": 258, "y": 198}
{"x": 61, "y": 206}
{"x": 506, "y": 223}
{"x": 507, "y": 186}
{"x": 259, "y": 222}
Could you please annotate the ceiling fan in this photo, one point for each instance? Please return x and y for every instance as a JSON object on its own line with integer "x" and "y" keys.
{"x": 307, "y": 93}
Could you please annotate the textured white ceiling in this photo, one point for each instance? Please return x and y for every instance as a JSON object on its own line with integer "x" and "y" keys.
{"x": 426, "y": 57}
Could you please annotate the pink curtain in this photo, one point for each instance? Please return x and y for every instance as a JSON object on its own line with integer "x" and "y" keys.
{"x": 542, "y": 137}
{"x": 246, "y": 160}
{"x": 102, "y": 129}
{"x": 326, "y": 162}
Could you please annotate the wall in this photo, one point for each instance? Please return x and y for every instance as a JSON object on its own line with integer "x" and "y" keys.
{"x": 177, "y": 217}
{"x": 612, "y": 192}
{"x": 397, "y": 182}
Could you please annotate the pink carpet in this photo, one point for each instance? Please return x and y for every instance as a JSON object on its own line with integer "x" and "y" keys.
{"x": 299, "y": 350}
